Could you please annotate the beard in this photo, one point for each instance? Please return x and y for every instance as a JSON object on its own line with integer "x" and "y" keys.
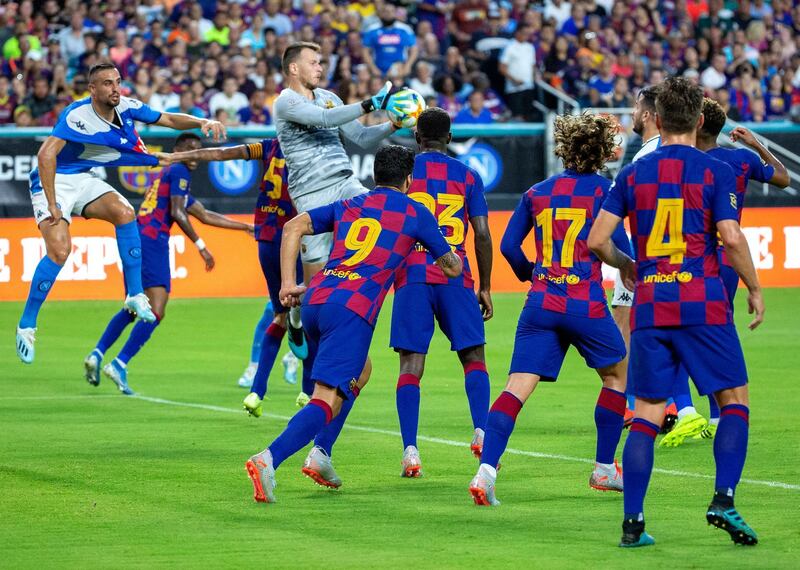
{"x": 638, "y": 127}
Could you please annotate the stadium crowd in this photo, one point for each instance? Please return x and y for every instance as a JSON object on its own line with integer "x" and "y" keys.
{"x": 476, "y": 59}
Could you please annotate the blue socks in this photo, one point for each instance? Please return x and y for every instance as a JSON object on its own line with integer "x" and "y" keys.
{"x": 637, "y": 461}
{"x": 476, "y": 383}
{"x": 130, "y": 253}
{"x": 269, "y": 351}
{"x": 43, "y": 279}
{"x": 139, "y": 335}
{"x": 609, "y": 416}
{"x": 730, "y": 446}
{"x": 114, "y": 329}
{"x": 303, "y": 426}
{"x": 407, "y": 399}
{"x": 308, "y": 367}
{"x": 500, "y": 424}
{"x": 261, "y": 329}
{"x": 330, "y": 433}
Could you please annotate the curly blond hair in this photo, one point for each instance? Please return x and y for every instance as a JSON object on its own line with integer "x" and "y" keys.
{"x": 585, "y": 142}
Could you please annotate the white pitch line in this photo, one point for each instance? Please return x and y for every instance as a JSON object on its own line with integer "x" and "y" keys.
{"x": 453, "y": 443}
{"x": 450, "y": 442}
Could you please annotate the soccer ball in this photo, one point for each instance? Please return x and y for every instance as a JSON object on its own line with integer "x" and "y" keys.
{"x": 405, "y": 108}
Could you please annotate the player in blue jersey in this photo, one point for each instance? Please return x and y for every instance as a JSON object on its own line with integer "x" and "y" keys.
{"x": 96, "y": 131}
{"x": 453, "y": 192}
{"x": 168, "y": 200}
{"x": 677, "y": 199}
{"x": 273, "y": 209}
{"x": 746, "y": 165}
{"x": 566, "y": 304}
{"x": 373, "y": 234}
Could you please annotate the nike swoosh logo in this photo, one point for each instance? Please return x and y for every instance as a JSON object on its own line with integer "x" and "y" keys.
{"x": 462, "y": 148}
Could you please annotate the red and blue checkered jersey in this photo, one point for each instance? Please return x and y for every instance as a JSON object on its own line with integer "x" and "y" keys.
{"x": 273, "y": 207}
{"x": 674, "y": 198}
{"x": 453, "y": 193}
{"x": 373, "y": 234}
{"x": 746, "y": 165}
{"x": 154, "y": 215}
{"x": 566, "y": 277}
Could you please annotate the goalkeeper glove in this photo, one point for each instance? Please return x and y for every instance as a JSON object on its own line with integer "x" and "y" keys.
{"x": 378, "y": 101}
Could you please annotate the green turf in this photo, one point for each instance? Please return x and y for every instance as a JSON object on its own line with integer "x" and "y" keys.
{"x": 89, "y": 478}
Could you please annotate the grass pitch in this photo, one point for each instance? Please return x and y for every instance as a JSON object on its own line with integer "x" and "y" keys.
{"x": 90, "y": 478}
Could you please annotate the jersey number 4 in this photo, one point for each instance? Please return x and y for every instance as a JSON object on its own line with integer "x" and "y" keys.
{"x": 576, "y": 218}
{"x": 362, "y": 242}
{"x": 452, "y": 203}
{"x": 666, "y": 237}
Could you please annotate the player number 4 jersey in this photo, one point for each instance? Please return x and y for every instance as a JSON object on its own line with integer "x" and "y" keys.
{"x": 674, "y": 198}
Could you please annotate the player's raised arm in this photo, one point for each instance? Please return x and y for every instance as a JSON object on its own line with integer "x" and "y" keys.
{"x": 293, "y": 232}
{"x": 183, "y": 122}
{"x": 238, "y": 152}
{"x": 518, "y": 228}
{"x": 47, "y": 174}
{"x": 212, "y": 218}
{"x": 780, "y": 177}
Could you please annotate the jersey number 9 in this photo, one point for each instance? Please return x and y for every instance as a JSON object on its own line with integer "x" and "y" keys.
{"x": 362, "y": 246}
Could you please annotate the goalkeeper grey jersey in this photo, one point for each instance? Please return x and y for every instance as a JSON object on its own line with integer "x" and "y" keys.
{"x": 308, "y": 132}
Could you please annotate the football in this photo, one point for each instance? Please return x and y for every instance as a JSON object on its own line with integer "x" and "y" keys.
{"x": 405, "y": 108}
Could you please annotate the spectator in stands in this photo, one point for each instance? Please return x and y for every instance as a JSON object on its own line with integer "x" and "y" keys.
{"x": 714, "y": 76}
{"x": 50, "y": 118}
{"x": 468, "y": 17}
{"x": 7, "y": 101}
{"x": 275, "y": 20}
{"x": 447, "y": 87}
{"x": 621, "y": 96}
{"x": 256, "y": 113}
{"x": 229, "y": 99}
{"x": 186, "y": 105}
{"x": 40, "y": 101}
{"x": 517, "y": 66}
{"x": 603, "y": 80}
{"x": 23, "y": 117}
{"x": 777, "y": 101}
{"x": 474, "y": 113}
{"x": 164, "y": 97}
{"x": 422, "y": 82}
{"x": 392, "y": 42}
{"x": 219, "y": 31}
{"x": 71, "y": 39}
{"x": 492, "y": 101}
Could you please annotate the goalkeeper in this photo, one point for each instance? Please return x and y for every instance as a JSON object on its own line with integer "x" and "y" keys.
{"x": 310, "y": 124}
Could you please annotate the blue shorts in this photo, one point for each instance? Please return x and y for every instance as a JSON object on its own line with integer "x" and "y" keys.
{"x": 342, "y": 340}
{"x": 711, "y": 354}
{"x": 269, "y": 255}
{"x": 155, "y": 263}
{"x": 456, "y": 310}
{"x": 543, "y": 338}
